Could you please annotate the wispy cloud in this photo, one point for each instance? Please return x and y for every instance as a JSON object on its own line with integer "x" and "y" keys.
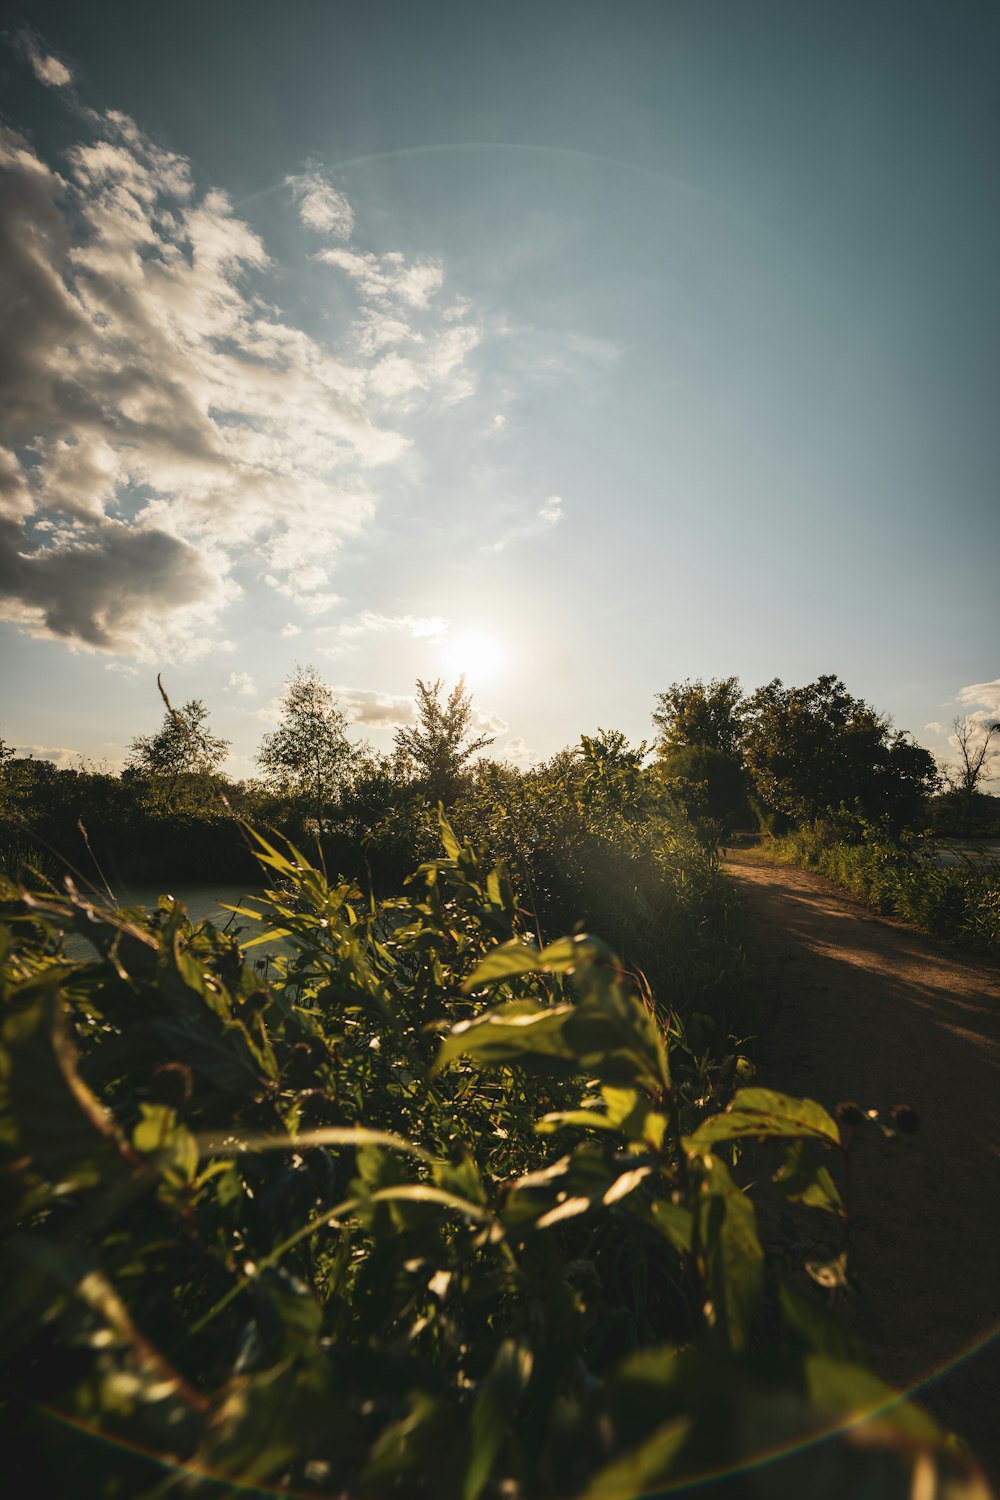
{"x": 243, "y": 684}
{"x": 982, "y": 699}
{"x": 334, "y": 640}
{"x": 321, "y": 206}
{"x": 167, "y": 428}
{"x": 388, "y": 278}
{"x": 46, "y": 68}
{"x": 517, "y": 752}
{"x": 367, "y": 706}
{"x": 545, "y": 519}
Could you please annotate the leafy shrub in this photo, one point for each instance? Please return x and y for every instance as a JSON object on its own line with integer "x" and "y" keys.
{"x": 960, "y": 902}
{"x": 435, "y": 1212}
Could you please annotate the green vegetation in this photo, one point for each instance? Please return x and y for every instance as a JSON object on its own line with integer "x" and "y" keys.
{"x": 961, "y": 902}
{"x": 445, "y": 1196}
{"x": 436, "y": 1211}
{"x": 836, "y": 789}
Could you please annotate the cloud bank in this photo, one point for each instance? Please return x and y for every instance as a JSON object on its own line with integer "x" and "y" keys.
{"x": 170, "y": 436}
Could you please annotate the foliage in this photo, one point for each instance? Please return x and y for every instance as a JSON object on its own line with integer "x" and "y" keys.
{"x": 436, "y": 1212}
{"x": 181, "y": 758}
{"x": 815, "y": 750}
{"x": 590, "y": 837}
{"x": 440, "y": 745}
{"x": 309, "y": 753}
{"x": 976, "y": 742}
{"x": 695, "y": 713}
{"x": 710, "y": 786}
{"x": 901, "y": 878}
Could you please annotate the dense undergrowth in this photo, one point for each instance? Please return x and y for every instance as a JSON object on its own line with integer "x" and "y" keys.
{"x": 899, "y": 878}
{"x": 429, "y": 1211}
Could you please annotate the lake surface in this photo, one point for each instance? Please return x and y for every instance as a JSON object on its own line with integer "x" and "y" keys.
{"x": 202, "y": 903}
{"x": 950, "y": 852}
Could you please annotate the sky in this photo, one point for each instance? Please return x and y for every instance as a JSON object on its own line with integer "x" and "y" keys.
{"x": 581, "y": 348}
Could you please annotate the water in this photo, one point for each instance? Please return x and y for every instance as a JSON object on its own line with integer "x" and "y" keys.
{"x": 202, "y": 903}
{"x": 978, "y": 852}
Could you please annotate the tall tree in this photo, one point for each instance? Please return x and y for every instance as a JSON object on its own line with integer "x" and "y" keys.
{"x": 815, "y": 750}
{"x": 699, "y": 713}
{"x": 976, "y": 741}
{"x": 309, "y": 753}
{"x": 440, "y": 744}
{"x": 183, "y": 750}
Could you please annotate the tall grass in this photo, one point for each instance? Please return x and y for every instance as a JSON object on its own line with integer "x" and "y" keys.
{"x": 961, "y": 903}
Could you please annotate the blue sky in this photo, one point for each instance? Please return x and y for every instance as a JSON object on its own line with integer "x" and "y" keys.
{"x": 584, "y": 348}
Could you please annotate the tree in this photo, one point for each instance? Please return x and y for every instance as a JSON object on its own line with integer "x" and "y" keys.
{"x": 438, "y": 745}
{"x": 974, "y": 741}
{"x": 710, "y": 786}
{"x": 182, "y": 749}
{"x": 814, "y": 751}
{"x": 309, "y": 753}
{"x": 696, "y": 713}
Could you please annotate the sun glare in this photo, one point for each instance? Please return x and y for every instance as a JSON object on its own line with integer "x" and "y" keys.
{"x": 474, "y": 656}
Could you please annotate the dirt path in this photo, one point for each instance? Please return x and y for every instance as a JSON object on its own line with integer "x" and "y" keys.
{"x": 872, "y": 1011}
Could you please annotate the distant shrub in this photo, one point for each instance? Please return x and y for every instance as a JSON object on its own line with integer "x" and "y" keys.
{"x": 960, "y": 902}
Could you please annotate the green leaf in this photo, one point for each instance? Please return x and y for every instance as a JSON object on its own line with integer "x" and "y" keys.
{"x": 802, "y": 1181}
{"x": 452, "y": 847}
{"x": 509, "y": 1033}
{"x": 856, "y": 1393}
{"x": 642, "y": 1471}
{"x": 762, "y": 1112}
{"x": 494, "y": 1410}
{"x": 730, "y": 1254}
{"x": 513, "y": 959}
{"x": 328, "y": 1135}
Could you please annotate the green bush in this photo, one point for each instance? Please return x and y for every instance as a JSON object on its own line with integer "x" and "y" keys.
{"x": 435, "y": 1212}
{"x": 901, "y": 879}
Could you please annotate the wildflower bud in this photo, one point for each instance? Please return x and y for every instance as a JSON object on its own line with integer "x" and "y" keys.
{"x": 849, "y": 1113}
{"x": 905, "y": 1119}
{"x": 300, "y": 1067}
{"x": 171, "y": 1084}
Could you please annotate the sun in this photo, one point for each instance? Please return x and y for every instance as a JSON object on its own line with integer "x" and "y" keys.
{"x": 474, "y": 655}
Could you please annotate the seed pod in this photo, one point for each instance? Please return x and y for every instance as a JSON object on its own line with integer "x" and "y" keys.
{"x": 171, "y": 1084}
{"x": 905, "y": 1119}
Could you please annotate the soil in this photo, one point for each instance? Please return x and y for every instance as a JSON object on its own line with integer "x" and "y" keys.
{"x": 867, "y": 1009}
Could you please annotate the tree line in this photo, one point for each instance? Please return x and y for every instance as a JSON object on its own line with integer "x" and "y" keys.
{"x": 774, "y": 759}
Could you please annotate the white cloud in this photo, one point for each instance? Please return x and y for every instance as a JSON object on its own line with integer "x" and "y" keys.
{"x": 336, "y": 639}
{"x": 321, "y": 207}
{"x": 166, "y": 427}
{"x": 545, "y": 519}
{"x": 366, "y": 706}
{"x": 242, "y": 683}
{"x": 58, "y": 754}
{"x": 517, "y": 752}
{"x": 388, "y": 277}
{"x": 47, "y": 69}
{"x": 935, "y": 726}
{"x": 484, "y": 721}
{"x": 291, "y": 629}
{"x": 16, "y": 500}
{"x": 500, "y": 421}
{"x": 982, "y": 699}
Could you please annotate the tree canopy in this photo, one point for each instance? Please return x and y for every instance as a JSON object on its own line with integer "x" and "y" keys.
{"x": 440, "y": 744}
{"x": 699, "y": 713}
{"x": 815, "y": 750}
{"x": 182, "y": 747}
{"x": 309, "y": 753}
